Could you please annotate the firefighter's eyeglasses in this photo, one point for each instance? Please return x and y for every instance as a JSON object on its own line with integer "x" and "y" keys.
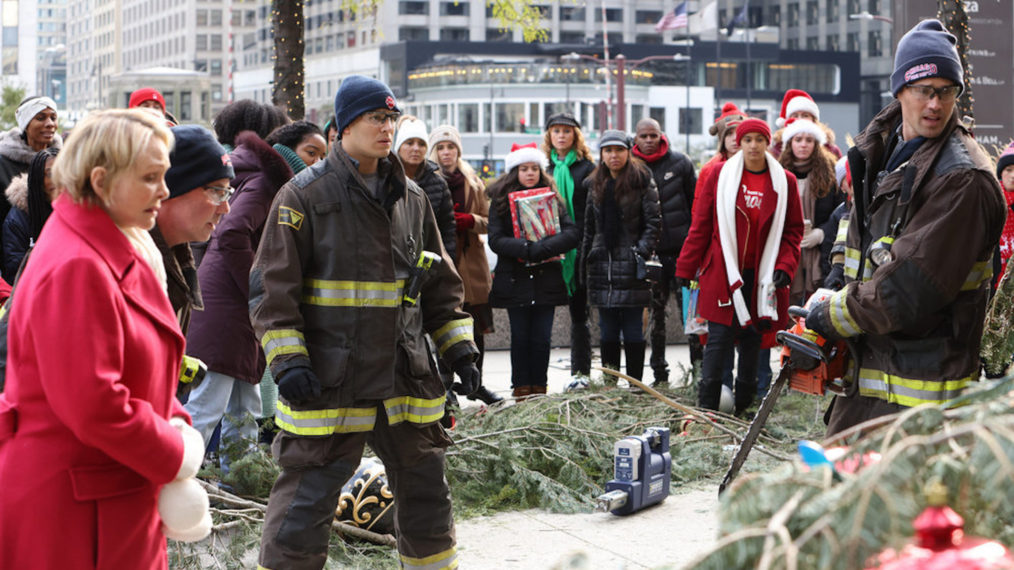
{"x": 927, "y": 92}
{"x": 219, "y": 194}
{"x": 380, "y": 118}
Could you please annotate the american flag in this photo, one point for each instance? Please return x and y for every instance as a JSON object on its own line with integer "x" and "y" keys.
{"x": 675, "y": 19}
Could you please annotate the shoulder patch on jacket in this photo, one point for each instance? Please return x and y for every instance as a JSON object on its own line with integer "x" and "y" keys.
{"x": 290, "y": 217}
{"x": 953, "y": 156}
{"x": 310, "y": 173}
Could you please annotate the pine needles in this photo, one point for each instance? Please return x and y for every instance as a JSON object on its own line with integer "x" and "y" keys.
{"x": 794, "y": 518}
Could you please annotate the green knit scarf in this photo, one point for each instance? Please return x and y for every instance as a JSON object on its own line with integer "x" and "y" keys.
{"x": 295, "y": 163}
{"x": 565, "y": 186}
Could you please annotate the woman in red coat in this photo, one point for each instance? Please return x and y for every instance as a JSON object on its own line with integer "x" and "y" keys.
{"x": 743, "y": 248}
{"x": 90, "y": 430}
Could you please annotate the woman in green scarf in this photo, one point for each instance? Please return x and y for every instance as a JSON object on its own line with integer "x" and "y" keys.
{"x": 570, "y": 162}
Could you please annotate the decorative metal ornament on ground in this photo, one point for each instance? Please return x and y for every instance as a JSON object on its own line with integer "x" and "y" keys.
{"x": 366, "y": 500}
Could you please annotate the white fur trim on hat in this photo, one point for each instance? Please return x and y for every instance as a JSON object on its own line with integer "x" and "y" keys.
{"x": 523, "y": 155}
{"x": 797, "y": 104}
{"x": 410, "y": 129}
{"x": 799, "y": 126}
{"x": 30, "y": 108}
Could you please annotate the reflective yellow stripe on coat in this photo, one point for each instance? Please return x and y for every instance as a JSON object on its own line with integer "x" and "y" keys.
{"x": 453, "y": 332}
{"x": 841, "y": 320}
{"x": 908, "y": 392}
{"x": 327, "y": 293}
{"x": 447, "y": 559}
{"x": 325, "y": 421}
{"x": 414, "y": 410}
{"x": 283, "y": 341}
{"x": 981, "y": 272}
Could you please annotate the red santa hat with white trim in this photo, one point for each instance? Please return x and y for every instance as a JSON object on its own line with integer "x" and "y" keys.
{"x": 795, "y": 127}
{"x": 797, "y": 100}
{"x": 521, "y": 154}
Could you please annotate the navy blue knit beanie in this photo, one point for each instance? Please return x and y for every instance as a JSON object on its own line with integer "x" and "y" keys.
{"x": 927, "y": 50}
{"x": 359, "y": 94}
{"x": 196, "y": 159}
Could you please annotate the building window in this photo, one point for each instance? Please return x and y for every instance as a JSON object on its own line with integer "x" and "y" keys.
{"x": 853, "y": 41}
{"x": 216, "y": 67}
{"x": 874, "y": 44}
{"x": 813, "y": 43}
{"x": 832, "y": 11}
{"x": 572, "y": 37}
{"x": 215, "y": 17}
{"x": 508, "y": 117}
{"x": 792, "y": 44}
{"x": 454, "y": 8}
{"x": 874, "y": 6}
{"x": 793, "y": 15}
{"x": 468, "y": 117}
{"x": 854, "y": 7}
{"x": 812, "y": 13}
{"x": 648, "y": 38}
{"x": 413, "y": 8}
{"x": 612, "y": 15}
{"x": 832, "y": 43}
{"x": 406, "y": 34}
{"x": 202, "y": 42}
{"x": 202, "y": 17}
{"x": 691, "y": 121}
{"x": 498, "y": 35}
{"x": 454, "y": 34}
{"x": 658, "y": 113}
{"x": 571, "y": 14}
{"x": 216, "y": 42}
{"x": 775, "y": 15}
{"x": 647, "y": 16}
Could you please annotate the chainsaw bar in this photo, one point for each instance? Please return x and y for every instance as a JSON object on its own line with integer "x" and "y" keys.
{"x": 756, "y": 425}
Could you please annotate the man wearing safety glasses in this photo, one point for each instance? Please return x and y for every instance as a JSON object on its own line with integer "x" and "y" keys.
{"x": 198, "y": 181}
{"x": 926, "y": 218}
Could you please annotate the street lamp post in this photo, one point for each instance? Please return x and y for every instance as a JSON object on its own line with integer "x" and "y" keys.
{"x": 865, "y": 15}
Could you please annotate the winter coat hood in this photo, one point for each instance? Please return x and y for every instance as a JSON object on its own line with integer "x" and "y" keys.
{"x": 266, "y": 161}
{"x": 13, "y": 146}
{"x": 17, "y": 192}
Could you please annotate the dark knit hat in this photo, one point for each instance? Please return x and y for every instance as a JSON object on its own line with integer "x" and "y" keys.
{"x": 927, "y": 50}
{"x": 1006, "y": 159}
{"x": 752, "y": 126}
{"x": 567, "y": 119}
{"x": 613, "y": 137}
{"x": 196, "y": 159}
{"x": 359, "y": 94}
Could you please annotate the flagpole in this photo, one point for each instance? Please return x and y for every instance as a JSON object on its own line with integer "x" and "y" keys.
{"x": 686, "y": 81}
{"x": 609, "y": 73}
{"x": 718, "y": 56}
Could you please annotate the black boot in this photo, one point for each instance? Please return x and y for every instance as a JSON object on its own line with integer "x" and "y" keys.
{"x": 635, "y": 358}
{"x": 610, "y": 358}
{"x": 709, "y": 393}
{"x": 580, "y": 349}
{"x": 487, "y": 397}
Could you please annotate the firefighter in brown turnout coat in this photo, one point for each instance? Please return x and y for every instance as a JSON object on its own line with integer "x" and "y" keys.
{"x": 328, "y": 300}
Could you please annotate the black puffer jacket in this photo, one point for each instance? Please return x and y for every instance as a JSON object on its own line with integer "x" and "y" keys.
{"x": 515, "y": 284}
{"x": 429, "y": 179}
{"x": 15, "y": 158}
{"x": 675, "y": 178}
{"x": 611, "y": 273}
{"x": 16, "y": 234}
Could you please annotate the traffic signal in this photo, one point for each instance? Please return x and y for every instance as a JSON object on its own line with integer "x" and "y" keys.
{"x": 487, "y": 170}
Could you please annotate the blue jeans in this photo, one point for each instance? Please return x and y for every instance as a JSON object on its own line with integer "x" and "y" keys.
{"x": 621, "y": 320}
{"x": 531, "y": 335}
{"x": 237, "y": 404}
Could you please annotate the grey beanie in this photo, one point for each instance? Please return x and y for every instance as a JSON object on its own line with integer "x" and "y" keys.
{"x": 927, "y": 50}
{"x": 613, "y": 137}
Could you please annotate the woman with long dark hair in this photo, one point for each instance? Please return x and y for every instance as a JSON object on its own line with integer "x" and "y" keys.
{"x": 743, "y": 248}
{"x": 622, "y": 222}
{"x": 808, "y": 159}
{"x": 570, "y": 163}
{"x": 30, "y": 195}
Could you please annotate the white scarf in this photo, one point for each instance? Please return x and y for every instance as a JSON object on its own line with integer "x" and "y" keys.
{"x": 145, "y": 246}
{"x": 728, "y": 190}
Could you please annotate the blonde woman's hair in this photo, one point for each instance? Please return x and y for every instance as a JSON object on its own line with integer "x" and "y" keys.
{"x": 579, "y": 145}
{"x": 462, "y": 165}
{"x": 111, "y": 139}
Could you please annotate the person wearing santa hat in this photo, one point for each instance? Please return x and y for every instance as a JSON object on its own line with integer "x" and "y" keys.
{"x": 743, "y": 248}
{"x": 798, "y": 104}
{"x": 621, "y": 224}
{"x": 807, "y": 158}
{"x": 1005, "y": 173}
{"x": 528, "y": 280}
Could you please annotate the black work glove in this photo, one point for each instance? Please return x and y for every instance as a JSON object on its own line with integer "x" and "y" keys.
{"x": 298, "y": 385}
{"x": 468, "y": 375}
{"x": 819, "y": 321}
{"x": 836, "y": 277}
{"x": 781, "y": 279}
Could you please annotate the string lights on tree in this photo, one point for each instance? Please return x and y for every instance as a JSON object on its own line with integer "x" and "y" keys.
{"x": 953, "y": 16}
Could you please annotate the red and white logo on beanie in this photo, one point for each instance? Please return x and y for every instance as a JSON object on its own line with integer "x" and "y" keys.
{"x": 797, "y": 100}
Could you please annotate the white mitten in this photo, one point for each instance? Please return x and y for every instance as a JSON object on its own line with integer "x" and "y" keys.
{"x": 182, "y": 505}
{"x": 193, "y": 534}
{"x": 193, "y": 448}
{"x": 812, "y": 239}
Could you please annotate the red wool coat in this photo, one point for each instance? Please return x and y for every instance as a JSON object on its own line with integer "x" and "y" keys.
{"x": 85, "y": 442}
{"x": 703, "y": 250}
